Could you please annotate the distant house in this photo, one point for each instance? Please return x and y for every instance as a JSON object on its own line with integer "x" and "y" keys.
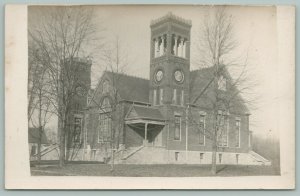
{"x": 33, "y": 140}
{"x": 157, "y": 120}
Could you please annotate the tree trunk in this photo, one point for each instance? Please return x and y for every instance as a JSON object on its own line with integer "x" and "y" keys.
{"x": 214, "y": 144}
{"x": 68, "y": 143}
{"x": 112, "y": 161}
{"x": 39, "y": 145}
{"x": 61, "y": 146}
{"x": 40, "y": 127}
{"x": 214, "y": 161}
{"x": 112, "y": 156}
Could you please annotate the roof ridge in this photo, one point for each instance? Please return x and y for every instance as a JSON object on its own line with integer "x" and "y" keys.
{"x": 126, "y": 74}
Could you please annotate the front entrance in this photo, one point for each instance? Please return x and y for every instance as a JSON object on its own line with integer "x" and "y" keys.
{"x": 149, "y": 120}
{"x": 154, "y": 135}
{"x": 158, "y": 139}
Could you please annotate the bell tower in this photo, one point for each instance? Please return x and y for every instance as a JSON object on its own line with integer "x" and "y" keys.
{"x": 169, "y": 61}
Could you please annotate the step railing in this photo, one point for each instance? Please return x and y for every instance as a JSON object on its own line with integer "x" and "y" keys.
{"x": 132, "y": 152}
{"x": 47, "y": 150}
{"x": 259, "y": 158}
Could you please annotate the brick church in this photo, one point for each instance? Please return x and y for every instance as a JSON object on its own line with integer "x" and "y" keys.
{"x": 168, "y": 118}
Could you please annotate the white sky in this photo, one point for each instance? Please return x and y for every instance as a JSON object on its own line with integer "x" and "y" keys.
{"x": 254, "y": 29}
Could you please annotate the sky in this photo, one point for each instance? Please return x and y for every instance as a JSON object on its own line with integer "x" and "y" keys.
{"x": 254, "y": 29}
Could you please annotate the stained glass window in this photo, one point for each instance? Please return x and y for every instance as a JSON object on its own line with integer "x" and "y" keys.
{"x": 222, "y": 129}
{"x": 237, "y": 132}
{"x": 202, "y": 130}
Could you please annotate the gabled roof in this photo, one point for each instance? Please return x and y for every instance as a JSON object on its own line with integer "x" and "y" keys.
{"x": 33, "y": 136}
{"x": 130, "y": 88}
{"x": 145, "y": 113}
{"x": 200, "y": 79}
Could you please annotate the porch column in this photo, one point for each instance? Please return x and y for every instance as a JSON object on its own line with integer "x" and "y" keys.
{"x": 146, "y": 131}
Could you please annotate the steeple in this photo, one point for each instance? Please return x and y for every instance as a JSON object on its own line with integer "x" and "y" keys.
{"x": 169, "y": 60}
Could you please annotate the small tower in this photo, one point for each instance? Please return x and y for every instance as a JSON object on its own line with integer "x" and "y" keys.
{"x": 82, "y": 80}
{"x": 79, "y": 70}
{"x": 169, "y": 61}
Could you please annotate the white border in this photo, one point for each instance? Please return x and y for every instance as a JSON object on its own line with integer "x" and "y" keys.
{"x": 17, "y": 174}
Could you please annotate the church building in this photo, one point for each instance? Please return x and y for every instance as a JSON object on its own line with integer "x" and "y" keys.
{"x": 169, "y": 118}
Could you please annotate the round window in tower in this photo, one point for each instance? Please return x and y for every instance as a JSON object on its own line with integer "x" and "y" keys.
{"x": 159, "y": 75}
{"x": 179, "y": 76}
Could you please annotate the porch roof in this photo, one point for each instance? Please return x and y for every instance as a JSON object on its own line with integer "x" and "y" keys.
{"x": 144, "y": 114}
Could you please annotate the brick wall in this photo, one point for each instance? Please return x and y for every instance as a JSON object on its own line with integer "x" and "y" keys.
{"x": 193, "y": 133}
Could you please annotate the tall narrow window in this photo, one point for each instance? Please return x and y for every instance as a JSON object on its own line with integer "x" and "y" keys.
{"x": 77, "y": 130}
{"x": 182, "y": 97}
{"x": 105, "y": 87}
{"x": 178, "y": 99}
{"x": 154, "y": 97}
{"x": 174, "y": 100}
{"x": 161, "y": 96}
{"x": 173, "y": 44}
{"x": 202, "y": 129}
{"x": 222, "y": 83}
{"x": 237, "y": 132}
{"x": 222, "y": 129}
{"x": 105, "y": 106}
{"x": 177, "y": 128}
{"x": 104, "y": 127}
{"x": 156, "y": 49}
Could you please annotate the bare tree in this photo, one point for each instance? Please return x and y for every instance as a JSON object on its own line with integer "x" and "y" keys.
{"x": 229, "y": 81}
{"x": 39, "y": 106}
{"x": 116, "y": 60}
{"x": 62, "y": 35}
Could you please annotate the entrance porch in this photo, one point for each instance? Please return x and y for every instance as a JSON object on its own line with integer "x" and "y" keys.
{"x": 148, "y": 122}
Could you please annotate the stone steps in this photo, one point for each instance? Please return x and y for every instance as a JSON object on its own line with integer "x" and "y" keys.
{"x": 259, "y": 158}
{"x": 147, "y": 155}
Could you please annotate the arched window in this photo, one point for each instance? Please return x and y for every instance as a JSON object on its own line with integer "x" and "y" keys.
{"x": 222, "y": 128}
{"x": 222, "y": 83}
{"x": 77, "y": 135}
{"x": 105, "y": 106}
{"x": 237, "y": 131}
{"x": 105, "y": 87}
{"x": 201, "y": 127}
{"x": 104, "y": 128}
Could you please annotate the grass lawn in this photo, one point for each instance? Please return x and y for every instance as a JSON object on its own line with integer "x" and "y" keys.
{"x": 75, "y": 169}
